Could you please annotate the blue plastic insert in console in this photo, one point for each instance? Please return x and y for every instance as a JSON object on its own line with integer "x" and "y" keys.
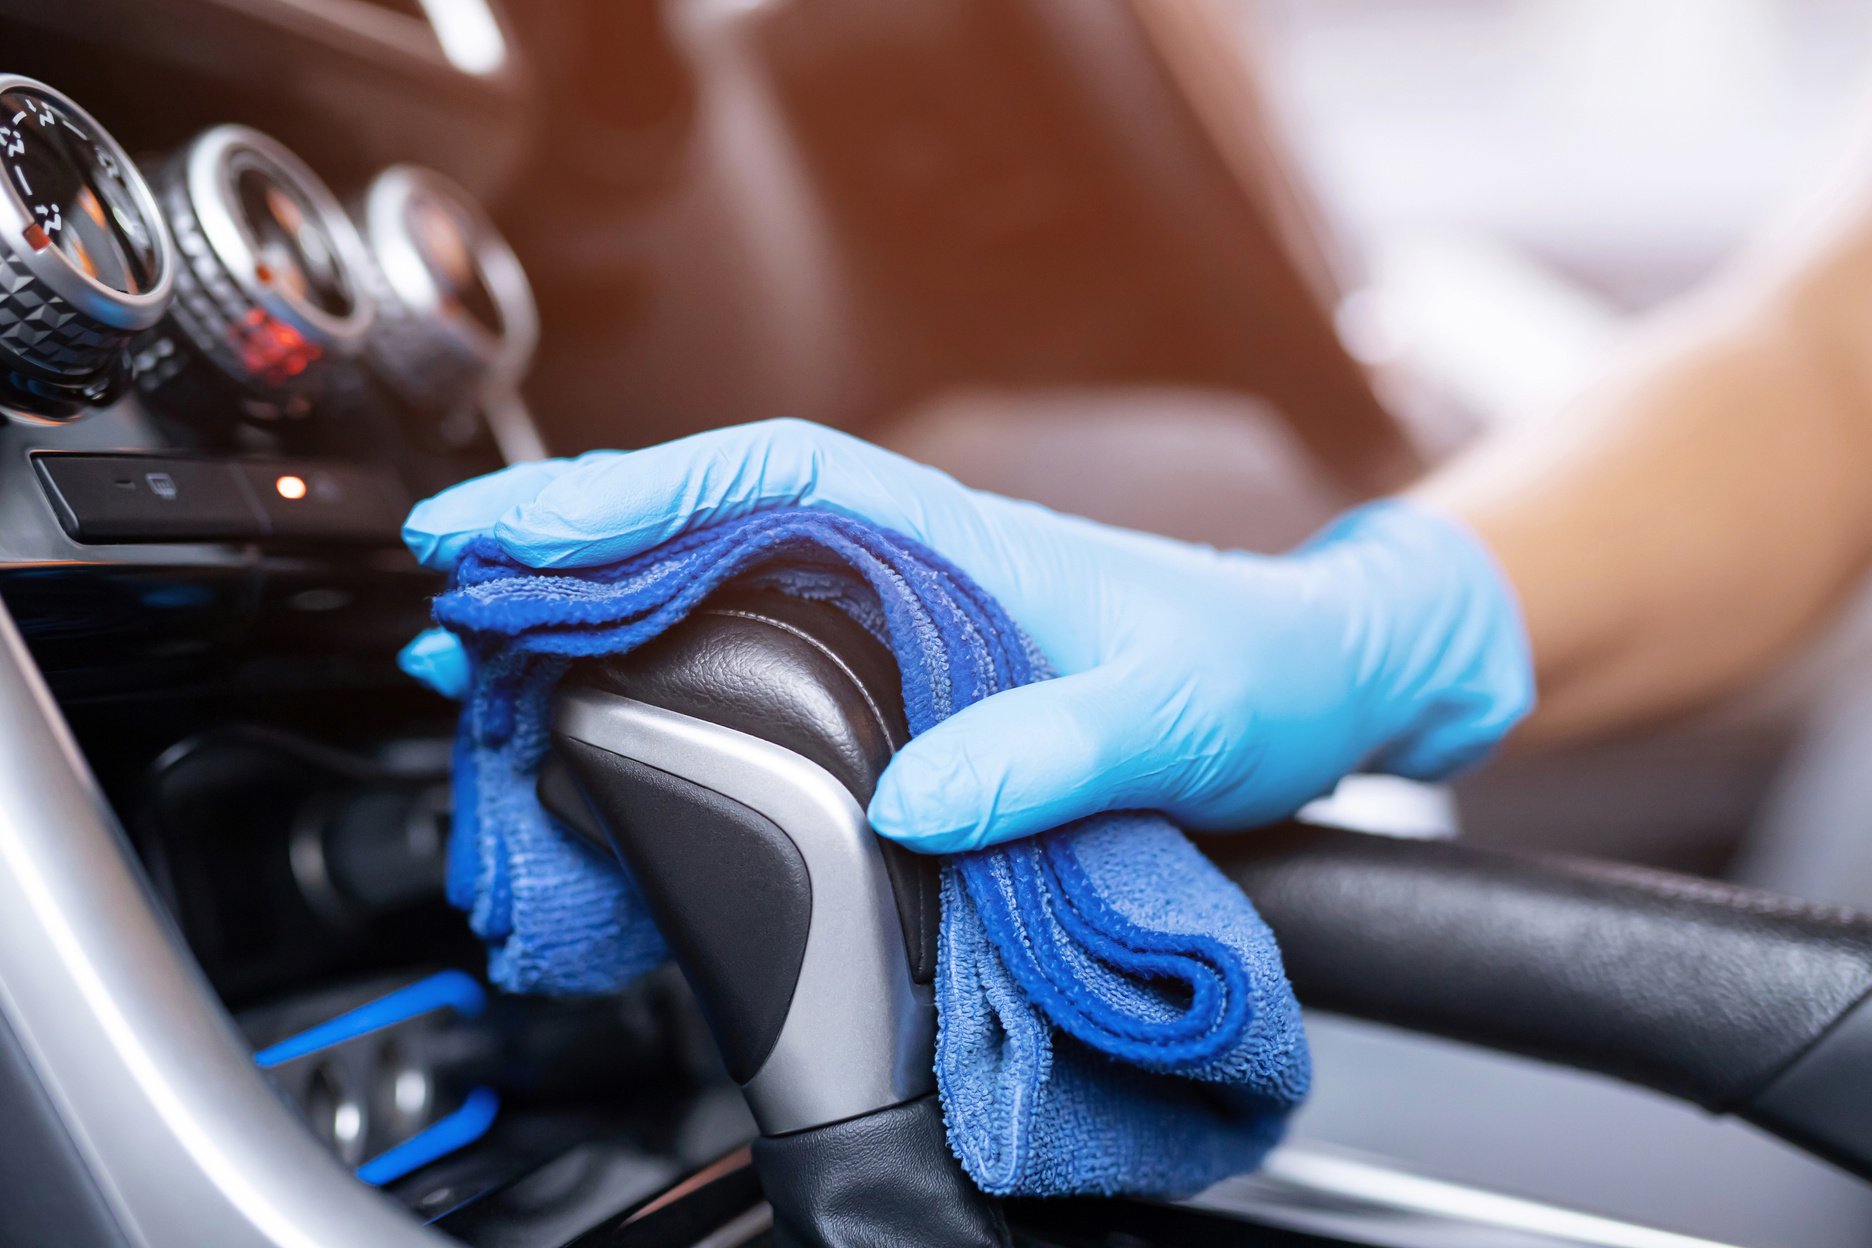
{"x": 454, "y": 990}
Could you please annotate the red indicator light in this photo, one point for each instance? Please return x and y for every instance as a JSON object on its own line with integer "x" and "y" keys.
{"x": 291, "y": 487}
{"x": 36, "y": 238}
{"x": 271, "y": 350}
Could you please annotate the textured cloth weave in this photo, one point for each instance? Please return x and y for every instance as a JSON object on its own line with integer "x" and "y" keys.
{"x": 1113, "y": 1015}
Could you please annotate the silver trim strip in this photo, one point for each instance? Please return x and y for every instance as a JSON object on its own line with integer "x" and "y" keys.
{"x": 1311, "y": 1189}
{"x": 184, "y": 1138}
{"x": 860, "y": 1035}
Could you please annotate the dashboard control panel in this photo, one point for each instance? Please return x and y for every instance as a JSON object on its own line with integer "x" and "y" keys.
{"x": 268, "y": 363}
{"x": 153, "y": 498}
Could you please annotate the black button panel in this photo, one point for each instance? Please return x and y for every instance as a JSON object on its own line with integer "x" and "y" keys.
{"x": 161, "y": 498}
{"x": 146, "y": 498}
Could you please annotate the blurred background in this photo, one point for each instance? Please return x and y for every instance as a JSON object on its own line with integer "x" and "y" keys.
{"x": 1624, "y": 146}
{"x": 1216, "y": 268}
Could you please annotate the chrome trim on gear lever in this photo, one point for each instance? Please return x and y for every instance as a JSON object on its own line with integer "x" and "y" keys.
{"x": 859, "y": 1035}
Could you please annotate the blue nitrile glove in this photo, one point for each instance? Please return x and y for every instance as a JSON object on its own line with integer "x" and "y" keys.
{"x": 1223, "y": 688}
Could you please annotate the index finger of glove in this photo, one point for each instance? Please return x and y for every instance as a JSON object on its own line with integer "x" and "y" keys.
{"x": 438, "y": 527}
{"x": 610, "y": 508}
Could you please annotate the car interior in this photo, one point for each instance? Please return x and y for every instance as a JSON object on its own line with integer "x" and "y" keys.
{"x": 271, "y": 271}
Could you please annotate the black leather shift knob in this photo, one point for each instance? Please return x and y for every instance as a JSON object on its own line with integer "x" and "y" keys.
{"x": 727, "y": 764}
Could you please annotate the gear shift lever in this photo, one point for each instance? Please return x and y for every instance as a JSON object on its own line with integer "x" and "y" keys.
{"x": 727, "y": 764}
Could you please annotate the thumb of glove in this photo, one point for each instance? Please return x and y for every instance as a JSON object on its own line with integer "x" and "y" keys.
{"x": 1019, "y": 762}
{"x": 436, "y": 658}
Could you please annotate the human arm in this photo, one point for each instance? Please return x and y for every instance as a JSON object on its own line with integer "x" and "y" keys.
{"x": 1702, "y": 509}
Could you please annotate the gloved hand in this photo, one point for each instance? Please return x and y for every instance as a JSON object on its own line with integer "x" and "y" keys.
{"x": 1223, "y": 688}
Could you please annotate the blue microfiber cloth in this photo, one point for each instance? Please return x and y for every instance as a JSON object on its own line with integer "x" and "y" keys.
{"x": 1113, "y": 1016}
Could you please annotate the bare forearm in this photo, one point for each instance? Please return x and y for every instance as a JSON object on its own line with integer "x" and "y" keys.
{"x": 1694, "y": 518}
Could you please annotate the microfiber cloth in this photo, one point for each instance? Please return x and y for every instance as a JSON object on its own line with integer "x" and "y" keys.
{"x": 1112, "y": 1013}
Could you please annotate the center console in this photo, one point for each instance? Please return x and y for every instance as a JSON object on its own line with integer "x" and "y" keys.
{"x": 223, "y": 383}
